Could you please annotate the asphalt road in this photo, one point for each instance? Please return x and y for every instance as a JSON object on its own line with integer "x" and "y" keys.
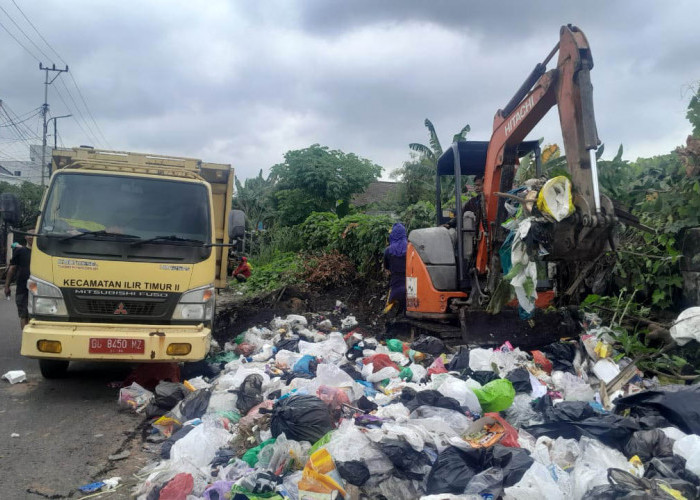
{"x": 67, "y": 428}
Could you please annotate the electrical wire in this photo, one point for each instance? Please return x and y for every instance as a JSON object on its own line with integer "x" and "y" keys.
{"x": 20, "y": 43}
{"x": 93, "y": 137}
{"x": 25, "y": 35}
{"x": 60, "y": 96}
{"x": 38, "y": 33}
{"x": 70, "y": 74}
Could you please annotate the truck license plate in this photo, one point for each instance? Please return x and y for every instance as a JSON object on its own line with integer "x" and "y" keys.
{"x": 117, "y": 346}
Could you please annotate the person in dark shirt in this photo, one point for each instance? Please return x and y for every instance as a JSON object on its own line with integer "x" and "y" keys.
{"x": 395, "y": 263}
{"x": 473, "y": 204}
{"x": 19, "y": 268}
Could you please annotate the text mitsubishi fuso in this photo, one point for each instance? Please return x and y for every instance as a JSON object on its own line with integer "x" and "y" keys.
{"x": 127, "y": 259}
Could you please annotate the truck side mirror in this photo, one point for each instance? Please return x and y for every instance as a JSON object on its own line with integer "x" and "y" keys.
{"x": 9, "y": 206}
{"x": 236, "y": 225}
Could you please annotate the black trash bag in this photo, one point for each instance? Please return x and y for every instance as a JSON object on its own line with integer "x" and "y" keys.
{"x": 249, "y": 393}
{"x": 568, "y": 411}
{"x": 223, "y": 456}
{"x": 488, "y": 482}
{"x": 520, "y": 378}
{"x": 408, "y": 463}
{"x": 288, "y": 344}
{"x": 680, "y": 407}
{"x": 195, "y": 404}
{"x": 350, "y": 369}
{"x": 453, "y": 470}
{"x": 672, "y": 467}
{"x": 649, "y": 444}
{"x": 514, "y": 462}
{"x": 624, "y": 485}
{"x": 201, "y": 368}
{"x": 154, "y": 411}
{"x": 460, "y": 361}
{"x": 429, "y": 398}
{"x": 354, "y": 472}
{"x": 168, "y": 394}
{"x": 366, "y": 405}
{"x": 259, "y": 482}
{"x": 611, "y": 430}
{"x": 301, "y": 418}
{"x": 482, "y": 376}
{"x": 429, "y": 345}
{"x": 176, "y": 436}
{"x": 562, "y": 355}
{"x": 275, "y": 394}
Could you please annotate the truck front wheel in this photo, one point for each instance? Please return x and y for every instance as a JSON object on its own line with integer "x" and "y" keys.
{"x": 53, "y": 368}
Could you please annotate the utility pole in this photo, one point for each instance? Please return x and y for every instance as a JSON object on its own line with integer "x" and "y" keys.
{"x": 45, "y": 111}
{"x": 55, "y": 134}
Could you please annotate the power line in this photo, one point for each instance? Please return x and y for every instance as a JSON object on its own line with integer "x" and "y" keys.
{"x": 20, "y": 43}
{"x": 38, "y": 33}
{"x": 25, "y": 35}
{"x": 99, "y": 130}
{"x": 60, "y": 96}
{"x": 93, "y": 137}
{"x": 77, "y": 87}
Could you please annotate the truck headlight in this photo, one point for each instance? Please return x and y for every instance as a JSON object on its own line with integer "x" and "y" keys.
{"x": 197, "y": 304}
{"x": 45, "y": 299}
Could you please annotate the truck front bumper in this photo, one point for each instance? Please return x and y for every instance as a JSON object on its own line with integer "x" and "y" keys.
{"x": 75, "y": 341}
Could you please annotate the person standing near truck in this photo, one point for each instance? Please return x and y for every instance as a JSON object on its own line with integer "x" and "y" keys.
{"x": 395, "y": 263}
{"x": 19, "y": 268}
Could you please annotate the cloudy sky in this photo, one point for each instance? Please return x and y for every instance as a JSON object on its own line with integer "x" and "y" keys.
{"x": 242, "y": 82}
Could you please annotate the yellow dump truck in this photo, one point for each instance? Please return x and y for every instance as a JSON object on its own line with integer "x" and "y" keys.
{"x": 127, "y": 258}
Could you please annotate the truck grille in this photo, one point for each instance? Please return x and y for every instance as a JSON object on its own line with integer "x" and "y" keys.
{"x": 109, "y": 307}
{"x": 87, "y": 306}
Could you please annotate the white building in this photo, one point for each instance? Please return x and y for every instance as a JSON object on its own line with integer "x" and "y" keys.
{"x": 16, "y": 172}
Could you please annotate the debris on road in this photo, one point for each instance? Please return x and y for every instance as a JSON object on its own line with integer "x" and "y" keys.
{"x": 297, "y": 411}
{"x": 15, "y": 376}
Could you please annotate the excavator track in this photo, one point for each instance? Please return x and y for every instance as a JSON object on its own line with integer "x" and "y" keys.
{"x": 479, "y": 328}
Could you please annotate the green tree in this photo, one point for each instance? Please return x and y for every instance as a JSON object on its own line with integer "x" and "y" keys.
{"x": 254, "y": 197}
{"x": 319, "y": 179}
{"x": 30, "y": 196}
{"x": 693, "y": 114}
{"x": 418, "y": 174}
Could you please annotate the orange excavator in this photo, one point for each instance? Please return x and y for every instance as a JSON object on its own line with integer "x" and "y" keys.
{"x": 453, "y": 274}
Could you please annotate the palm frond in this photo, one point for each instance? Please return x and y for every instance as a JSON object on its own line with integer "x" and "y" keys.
{"x": 434, "y": 141}
{"x": 423, "y": 150}
{"x": 462, "y": 135}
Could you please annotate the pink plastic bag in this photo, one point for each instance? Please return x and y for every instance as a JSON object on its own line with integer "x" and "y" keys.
{"x": 438, "y": 366}
{"x": 334, "y": 397}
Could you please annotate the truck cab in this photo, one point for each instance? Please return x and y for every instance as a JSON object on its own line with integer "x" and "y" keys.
{"x": 127, "y": 259}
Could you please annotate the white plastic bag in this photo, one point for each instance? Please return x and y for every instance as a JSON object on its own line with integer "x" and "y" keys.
{"x": 235, "y": 379}
{"x": 350, "y": 443}
{"x": 554, "y": 199}
{"x": 480, "y": 359}
{"x": 384, "y": 373}
{"x": 689, "y": 448}
{"x": 452, "y": 387}
{"x": 331, "y": 350}
{"x": 687, "y": 326}
{"x": 540, "y": 482}
{"x": 199, "y": 446}
{"x": 592, "y": 465}
{"x": 572, "y": 387}
{"x": 296, "y": 320}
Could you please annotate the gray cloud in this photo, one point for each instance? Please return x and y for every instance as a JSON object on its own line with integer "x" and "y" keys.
{"x": 243, "y": 82}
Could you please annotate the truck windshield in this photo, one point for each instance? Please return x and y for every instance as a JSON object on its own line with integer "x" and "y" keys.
{"x": 131, "y": 206}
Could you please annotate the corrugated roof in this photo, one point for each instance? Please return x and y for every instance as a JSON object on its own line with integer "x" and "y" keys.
{"x": 375, "y": 193}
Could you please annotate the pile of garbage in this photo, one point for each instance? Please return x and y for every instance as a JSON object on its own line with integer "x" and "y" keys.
{"x": 308, "y": 409}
